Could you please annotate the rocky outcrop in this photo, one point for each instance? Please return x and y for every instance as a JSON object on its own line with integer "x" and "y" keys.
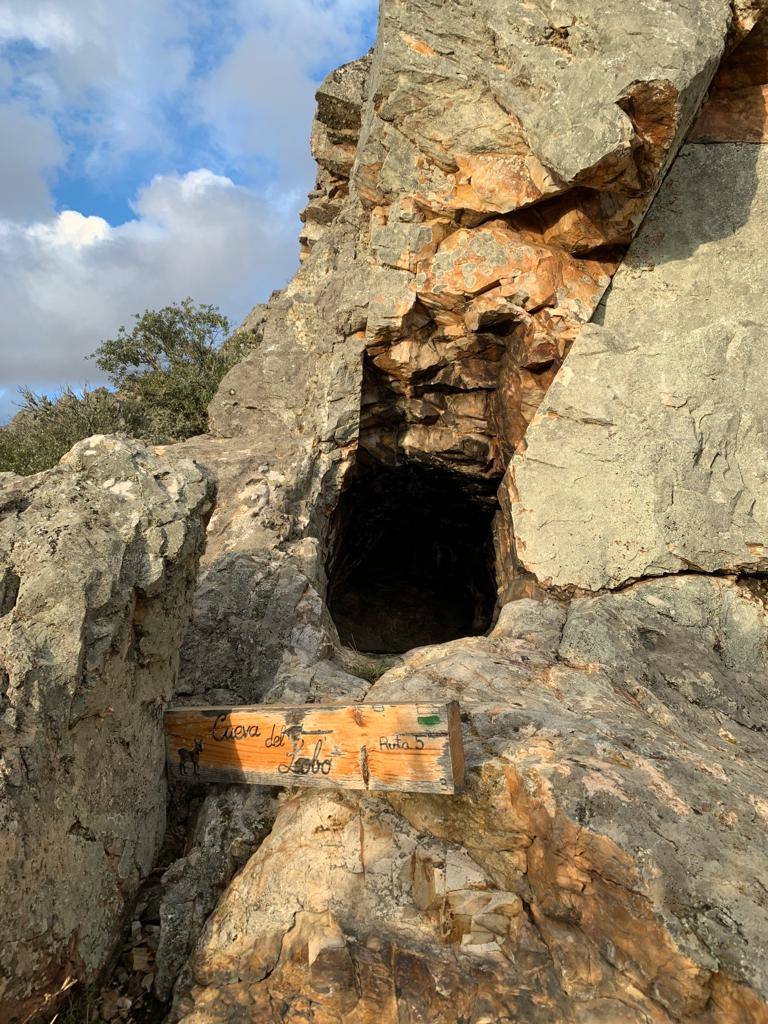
{"x": 544, "y": 98}
{"x": 98, "y": 558}
{"x": 647, "y": 456}
{"x": 558, "y": 123}
{"x": 335, "y": 133}
{"x": 560, "y": 118}
{"x": 228, "y": 828}
{"x": 605, "y": 864}
{"x": 481, "y": 174}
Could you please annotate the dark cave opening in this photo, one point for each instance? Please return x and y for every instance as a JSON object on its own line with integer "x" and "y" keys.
{"x": 411, "y": 557}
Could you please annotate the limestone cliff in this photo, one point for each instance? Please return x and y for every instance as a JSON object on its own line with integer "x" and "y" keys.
{"x": 481, "y": 175}
{"x": 503, "y": 439}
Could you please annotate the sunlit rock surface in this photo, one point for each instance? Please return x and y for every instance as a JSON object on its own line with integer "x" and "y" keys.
{"x": 605, "y": 864}
{"x": 648, "y": 454}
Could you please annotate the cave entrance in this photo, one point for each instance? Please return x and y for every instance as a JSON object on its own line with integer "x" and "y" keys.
{"x": 411, "y": 558}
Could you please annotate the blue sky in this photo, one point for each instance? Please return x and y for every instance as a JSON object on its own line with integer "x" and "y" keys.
{"x": 151, "y": 150}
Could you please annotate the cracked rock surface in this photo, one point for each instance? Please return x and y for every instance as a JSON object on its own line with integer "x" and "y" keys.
{"x": 648, "y": 454}
{"x": 98, "y": 558}
{"x": 450, "y": 259}
{"x": 605, "y": 864}
{"x": 481, "y": 174}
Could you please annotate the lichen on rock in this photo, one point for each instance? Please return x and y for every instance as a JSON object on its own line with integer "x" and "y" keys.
{"x": 98, "y": 560}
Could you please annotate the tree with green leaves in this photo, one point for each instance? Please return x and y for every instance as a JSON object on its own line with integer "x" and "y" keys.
{"x": 163, "y": 373}
{"x": 167, "y": 367}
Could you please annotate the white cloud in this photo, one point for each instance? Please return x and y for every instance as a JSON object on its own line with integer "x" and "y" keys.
{"x": 259, "y": 102}
{"x": 30, "y": 151}
{"x": 70, "y": 230}
{"x": 74, "y": 280}
{"x": 121, "y": 62}
{"x": 95, "y": 87}
{"x": 44, "y": 24}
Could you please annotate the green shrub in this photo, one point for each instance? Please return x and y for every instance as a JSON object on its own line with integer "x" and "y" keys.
{"x": 167, "y": 368}
{"x": 163, "y": 373}
{"x": 46, "y": 428}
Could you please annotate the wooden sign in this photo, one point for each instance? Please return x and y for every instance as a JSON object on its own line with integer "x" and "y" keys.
{"x": 414, "y": 747}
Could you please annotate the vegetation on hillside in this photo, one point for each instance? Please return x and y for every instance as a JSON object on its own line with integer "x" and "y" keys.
{"x": 162, "y": 374}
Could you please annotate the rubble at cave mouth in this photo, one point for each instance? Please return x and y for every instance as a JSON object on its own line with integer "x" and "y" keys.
{"x": 411, "y": 558}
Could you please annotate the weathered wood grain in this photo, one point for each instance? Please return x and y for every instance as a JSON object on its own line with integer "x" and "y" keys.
{"x": 412, "y": 747}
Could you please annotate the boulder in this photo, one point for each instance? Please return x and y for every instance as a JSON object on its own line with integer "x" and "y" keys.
{"x": 648, "y": 455}
{"x": 543, "y": 97}
{"x": 606, "y": 862}
{"x": 98, "y": 558}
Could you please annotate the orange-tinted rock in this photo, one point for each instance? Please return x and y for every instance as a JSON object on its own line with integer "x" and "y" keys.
{"x": 746, "y": 14}
{"x": 470, "y": 261}
{"x": 583, "y": 220}
{"x": 577, "y": 881}
{"x": 466, "y": 353}
{"x": 474, "y": 261}
{"x": 500, "y": 183}
{"x": 737, "y": 107}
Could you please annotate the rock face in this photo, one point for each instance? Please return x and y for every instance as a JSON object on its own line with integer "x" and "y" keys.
{"x": 228, "y": 827}
{"x": 572, "y": 107}
{"x": 97, "y": 564}
{"x": 737, "y": 107}
{"x": 647, "y": 456}
{"x": 606, "y": 863}
{"x": 481, "y": 174}
{"x": 334, "y": 144}
{"x": 576, "y": 108}
{"x": 544, "y": 97}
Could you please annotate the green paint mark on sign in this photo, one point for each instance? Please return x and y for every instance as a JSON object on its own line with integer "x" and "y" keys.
{"x": 429, "y": 719}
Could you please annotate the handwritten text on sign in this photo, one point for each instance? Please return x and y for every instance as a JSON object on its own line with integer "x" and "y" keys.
{"x": 413, "y": 747}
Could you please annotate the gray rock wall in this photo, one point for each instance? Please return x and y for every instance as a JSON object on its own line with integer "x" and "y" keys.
{"x": 648, "y": 454}
{"x": 98, "y": 558}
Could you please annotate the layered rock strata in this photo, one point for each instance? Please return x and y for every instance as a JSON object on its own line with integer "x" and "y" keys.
{"x": 98, "y": 559}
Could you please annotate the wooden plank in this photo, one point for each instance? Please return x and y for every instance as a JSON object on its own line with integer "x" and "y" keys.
{"x": 412, "y": 747}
